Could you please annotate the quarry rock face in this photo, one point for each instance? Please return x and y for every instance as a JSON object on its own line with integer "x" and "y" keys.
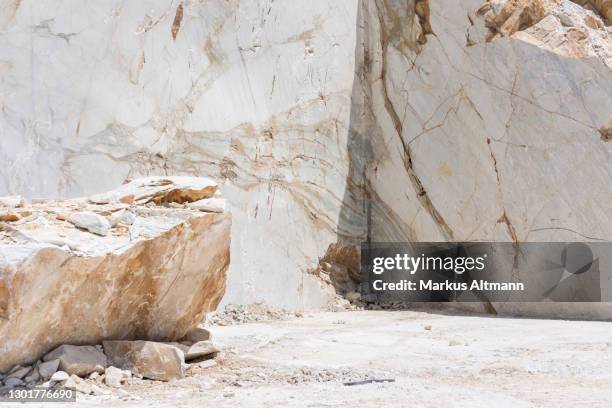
{"x": 494, "y": 138}
{"x": 563, "y": 27}
{"x": 477, "y": 138}
{"x": 252, "y": 95}
{"x": 326, "y": 123}
{"x": 153, "y": 277}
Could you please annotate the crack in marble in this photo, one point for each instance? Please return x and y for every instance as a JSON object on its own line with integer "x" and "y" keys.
{"x": 417, "y": 185}
{"x": 514, "y": 94}
{"x": 569, "y": 230}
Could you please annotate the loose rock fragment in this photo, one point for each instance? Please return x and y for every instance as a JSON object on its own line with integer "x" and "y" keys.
{"x": 19, "y": 372}
{"x": 196, "y": 335}
{"x": 353, "y": 296}
{"x": 128, "y": 199}
{"x": 95, "y": 390}
{"x": 91, "y": 222}
{"x": 160, "y": 190}
{"x": 508, "y": 17}
{"x": 32, "y": 376}
{"x": 196, "y": 350}
{"x": 157, "y": 361}
{"x": 9, "y": 217}
{"x": 116, "y": 216}
{"x": 12, "y": 201}
{"x": 78, "y": 384}
{"x": 48, "y": 368}
{"x": 78, "y": 360}
{"x": 560, "y": 26}
{"x": 113, "y": 377}
{"x": 200, "y": 349}
{"x": 216, "y": 205}
{"x": 207, "y": 363}
{"x": 13, "y": 382}
{"x": 603, "y": 7}
{"x": 154, "y": 279}
{"x": 59, "y": 376}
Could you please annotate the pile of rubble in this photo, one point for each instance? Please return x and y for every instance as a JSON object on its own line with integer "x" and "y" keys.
{"x": 233, "y": 314}
{"x": 250, "y": 372}
{"x": 146, "y": 261}
{"x": 575, "y": 29}
{"x": 90, "y": 369}
{"x": 255, "y": 312}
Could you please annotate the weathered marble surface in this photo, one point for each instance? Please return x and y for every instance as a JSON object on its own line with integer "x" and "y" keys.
{"x": 152, "y": 276}
{"x": 256, "y": 95}
{"x": 300, "y": 108}
{"x": 503, "y": 137}
{"x": 476, "y": 140}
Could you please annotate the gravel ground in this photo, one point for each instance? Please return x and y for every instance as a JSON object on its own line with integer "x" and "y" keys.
{"x": 433, "y": 359}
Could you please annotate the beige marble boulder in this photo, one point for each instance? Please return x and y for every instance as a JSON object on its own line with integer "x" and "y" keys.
{"x": 48, "y": 368}
{"x": 152, "y": 277}
{"x": 78, "y": 360}
{"x": 113, "y": 377}
{"x": 156, "y": 361}
{"x": 196, "y": 335}
{"x": 197, "y": 350}
{"x": 200, "y": 349}
{"x": 209, "y": 205}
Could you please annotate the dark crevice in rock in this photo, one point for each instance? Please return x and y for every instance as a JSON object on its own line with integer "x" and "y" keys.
{"x": 340, "y": 267}
{"x": 417, "y": 185}
{"x": 606, "y": 131}
{"x": 511, "y": 231}
{"x": 422, "y": 11}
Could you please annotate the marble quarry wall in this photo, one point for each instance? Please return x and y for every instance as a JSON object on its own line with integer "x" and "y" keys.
{"x": 254, "y": 94}
{"x": 325, "y": 122}
{"x": 490, "y": 126}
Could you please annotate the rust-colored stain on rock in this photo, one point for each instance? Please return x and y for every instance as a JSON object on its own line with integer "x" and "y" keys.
{"x": 178, "y": 17}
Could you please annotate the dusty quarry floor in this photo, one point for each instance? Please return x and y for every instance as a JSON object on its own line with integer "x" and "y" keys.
{"x": 435, "y": 360}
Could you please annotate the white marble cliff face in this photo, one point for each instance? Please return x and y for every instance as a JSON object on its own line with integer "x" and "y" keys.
{"x": 481, "y": 140}
{"x": 254, "y": 94}
{"x": 324, "y": 121}
{"x": 497, "y": 140}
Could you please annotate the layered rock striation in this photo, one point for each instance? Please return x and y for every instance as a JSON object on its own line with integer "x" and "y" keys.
{"x": 256, "y": 95}
{"x": 327, "y": 123}
{"x": 136, "y": 263}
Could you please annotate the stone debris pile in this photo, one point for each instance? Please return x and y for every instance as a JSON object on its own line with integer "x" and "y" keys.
{"x": 233, "y": 314}
{"x": 96, "y": 370}
{"x": 568, "y": 28}
{"x": 142, "y": 262}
